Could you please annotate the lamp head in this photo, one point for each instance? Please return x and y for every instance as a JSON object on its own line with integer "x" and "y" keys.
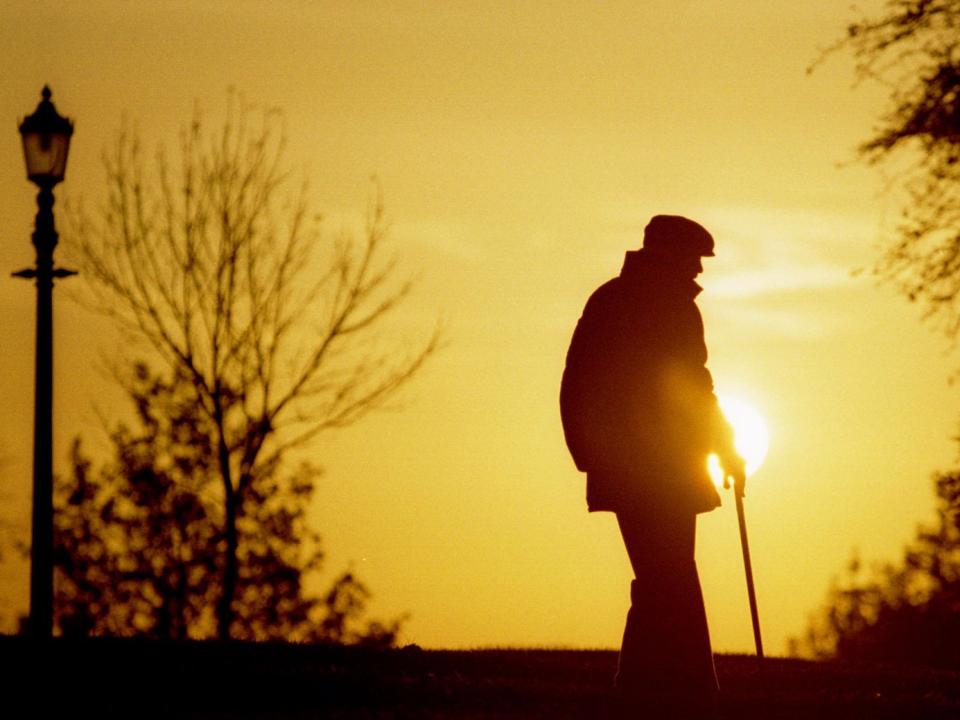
{"x": 46, "y": 142}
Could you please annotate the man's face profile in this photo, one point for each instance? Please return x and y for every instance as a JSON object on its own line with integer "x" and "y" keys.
{"x": 684, "y": 265}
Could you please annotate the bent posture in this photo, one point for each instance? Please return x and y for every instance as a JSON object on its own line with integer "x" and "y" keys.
{"x": 640, "y": 418}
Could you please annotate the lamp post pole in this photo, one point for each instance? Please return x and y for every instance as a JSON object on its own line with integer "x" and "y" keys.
{"x": 46, "y": 140}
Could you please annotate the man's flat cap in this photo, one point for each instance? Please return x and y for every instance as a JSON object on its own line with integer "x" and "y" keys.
{"x": 677, "y": 235}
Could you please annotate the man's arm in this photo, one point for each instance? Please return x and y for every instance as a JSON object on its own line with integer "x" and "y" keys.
{"x": 587, "y": 402}
{"x": 576, "y": 395}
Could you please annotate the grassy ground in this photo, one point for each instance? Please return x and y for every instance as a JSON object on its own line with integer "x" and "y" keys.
{"x": 113, "y": 678}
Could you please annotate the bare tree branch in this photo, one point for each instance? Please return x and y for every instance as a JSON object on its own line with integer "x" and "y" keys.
{"x": 913, "y": 48}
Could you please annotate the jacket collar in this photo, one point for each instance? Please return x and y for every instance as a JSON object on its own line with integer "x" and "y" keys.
{"x": 640, "y": 267}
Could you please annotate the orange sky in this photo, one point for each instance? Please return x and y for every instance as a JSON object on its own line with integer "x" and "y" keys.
{"x": 521, "y": 148}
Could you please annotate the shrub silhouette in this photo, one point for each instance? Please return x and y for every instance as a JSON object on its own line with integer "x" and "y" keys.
{"x": 906, "y": 612}
{"x": 139, "y": 540}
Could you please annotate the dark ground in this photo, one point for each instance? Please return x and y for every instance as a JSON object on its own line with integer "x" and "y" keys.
{"x": 136, "y": 679}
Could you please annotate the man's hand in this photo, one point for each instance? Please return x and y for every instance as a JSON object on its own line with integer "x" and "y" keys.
{"x": 735, "y": 467}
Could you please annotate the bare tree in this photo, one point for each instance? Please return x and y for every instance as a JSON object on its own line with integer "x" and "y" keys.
{"x": 225, "y": 275}
{"x": 913, "y": 48}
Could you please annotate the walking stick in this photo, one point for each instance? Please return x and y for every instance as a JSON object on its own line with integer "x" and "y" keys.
{"x": 747, "y": 568}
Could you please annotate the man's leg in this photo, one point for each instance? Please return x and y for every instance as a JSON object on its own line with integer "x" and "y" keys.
{"x": 666, "y": 651}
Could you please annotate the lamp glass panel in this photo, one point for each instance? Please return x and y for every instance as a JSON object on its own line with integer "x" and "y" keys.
{"x": 45, "y": 155}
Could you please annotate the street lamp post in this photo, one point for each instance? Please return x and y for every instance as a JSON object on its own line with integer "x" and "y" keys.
{"x": 46, "y": 142}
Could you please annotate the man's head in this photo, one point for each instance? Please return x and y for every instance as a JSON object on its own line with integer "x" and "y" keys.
{"x": 678, "y": 242}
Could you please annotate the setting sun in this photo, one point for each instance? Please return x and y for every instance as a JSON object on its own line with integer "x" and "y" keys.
{"x": 750, "y": 436}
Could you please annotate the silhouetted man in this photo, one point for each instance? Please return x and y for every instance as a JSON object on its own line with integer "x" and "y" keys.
{"x": 640, "y": 418}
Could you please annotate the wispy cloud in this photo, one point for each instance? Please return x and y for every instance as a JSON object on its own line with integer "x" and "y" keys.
{"x": 766, "y": 252}
{"x": 797, "y": 324}
{"x": 778, "y": 279}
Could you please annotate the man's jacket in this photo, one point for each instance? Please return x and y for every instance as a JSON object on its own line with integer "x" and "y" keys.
{"x": 637, "y": 403}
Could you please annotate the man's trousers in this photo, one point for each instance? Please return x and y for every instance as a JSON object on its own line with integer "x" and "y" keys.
{"x": 666, "y": 655}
